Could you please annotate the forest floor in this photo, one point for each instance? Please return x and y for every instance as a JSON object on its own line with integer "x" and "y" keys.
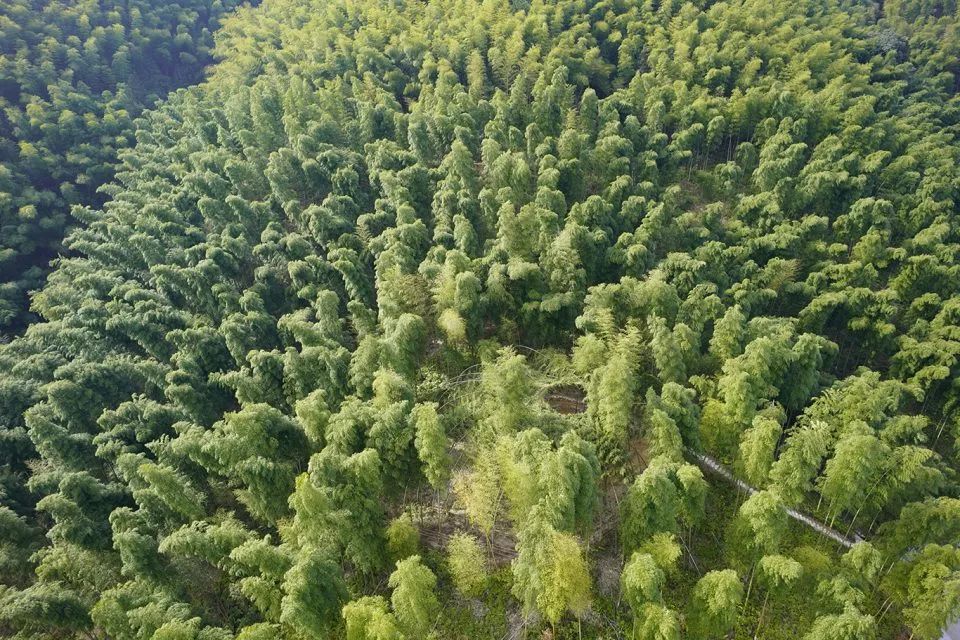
{"x": 497, "y": 614}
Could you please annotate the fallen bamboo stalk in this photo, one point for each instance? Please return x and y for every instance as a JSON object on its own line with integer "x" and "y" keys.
{"x": 716, "y": 467}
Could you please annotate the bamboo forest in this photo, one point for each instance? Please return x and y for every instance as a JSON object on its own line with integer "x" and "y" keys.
{"x": 479, "y": 319}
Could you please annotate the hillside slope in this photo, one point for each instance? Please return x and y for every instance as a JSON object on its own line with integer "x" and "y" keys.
{"x": 407, "y": 321}
{"x": 73, "y": 77}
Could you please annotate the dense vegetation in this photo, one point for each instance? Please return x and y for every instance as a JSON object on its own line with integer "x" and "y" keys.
{"x": 73, "y": 75}
{"x": 429, "y": 320}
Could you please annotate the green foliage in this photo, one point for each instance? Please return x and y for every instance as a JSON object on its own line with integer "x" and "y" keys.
{"x": 550, "y": 571}
{"x": 758, "y": 447}
{"x": 431, "y": 442}
{"x": 414, "y": 602}
{"x": 550, "y": 254}
{"x": 567, "y": 579}
{"x": 779, "y": 571}
{"x": 479, "y": 491}
{"x": 72, "y": 81}
{"x": 759, "y": 528}
{"x": 928, "y": 587}
{"x": 641, "y": 582}
{"x": 467, "y": 564}
{"x": 657, "y": 623}
{"x": 368, "y": 619}
{"x": 403, "y": 538}
{"x": 611, "y": 397}
{"x": 715, "y": 604}
{"x": 664, "y": 549}
{"x": 793, "y": 472}
{"x": 847, "y": 625}
{"x": 665, "y": 495}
